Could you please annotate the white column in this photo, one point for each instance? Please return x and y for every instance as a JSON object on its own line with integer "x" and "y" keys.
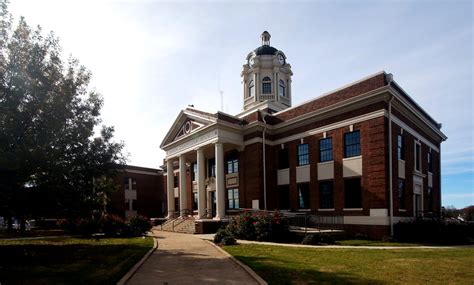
{"x": 183, "y": 189}
{"x": 201, "y": 169}
{"x": 220, "y": 185}
{"x": 170, "y": 188}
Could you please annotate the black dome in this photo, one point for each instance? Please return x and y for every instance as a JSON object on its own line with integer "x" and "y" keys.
{"x": 265, "y": 50}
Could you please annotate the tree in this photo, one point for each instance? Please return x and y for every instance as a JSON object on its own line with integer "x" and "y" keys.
{"x": 49, "y": 156}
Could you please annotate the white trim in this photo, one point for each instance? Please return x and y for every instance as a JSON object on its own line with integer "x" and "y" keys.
{"x": 333, "y": 126}
{"x": 409, "y": 105}
{"x": 326, "y": 210}
{"x": 414, "y": 133}
{"x": 353, "y": 209}
{"x": 141, "y": 172}
{"x": 352, "y": 158}
{"x": 333, "y": 91}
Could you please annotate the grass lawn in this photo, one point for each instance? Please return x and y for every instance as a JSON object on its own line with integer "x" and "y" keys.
{"x": 69, "y": 260}
{"x": 289, "y": 265}
{"x": 361, "y": 242}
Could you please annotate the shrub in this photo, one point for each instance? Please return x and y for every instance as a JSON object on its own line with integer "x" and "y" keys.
{"x": 228, "y": 240}
{"x": 137, "y": 226}
{"x": 260, "y": 226}
{"x": 361, "y": 236}
{"x": 311, "y": 239}
{"x": 221, "y": 234}
{"x": 434, "y": 231}
{"x": 113, "y": 225}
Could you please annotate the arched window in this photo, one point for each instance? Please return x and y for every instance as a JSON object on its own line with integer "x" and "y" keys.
{"x": 281, "y": 88}
{"x": 251, "y": 89}
{"x": 266, "y": 85}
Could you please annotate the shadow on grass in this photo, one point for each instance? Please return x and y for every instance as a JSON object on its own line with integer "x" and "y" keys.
{"x": 278, "y": 274}
{"x": 67, "y": 263}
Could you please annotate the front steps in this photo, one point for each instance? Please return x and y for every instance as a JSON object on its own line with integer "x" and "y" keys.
{"x": 180, "y": 225}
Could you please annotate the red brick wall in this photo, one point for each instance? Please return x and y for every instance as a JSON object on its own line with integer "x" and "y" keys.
{"x": 150, "y": 193}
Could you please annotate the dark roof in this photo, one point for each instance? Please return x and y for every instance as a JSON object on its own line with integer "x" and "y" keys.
{"x": 265, "y": 50}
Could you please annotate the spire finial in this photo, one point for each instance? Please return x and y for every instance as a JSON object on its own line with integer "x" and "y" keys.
{"x": 265, "y": 38}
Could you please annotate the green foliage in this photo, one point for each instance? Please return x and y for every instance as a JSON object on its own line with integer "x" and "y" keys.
{"x": 318, "y": 238}
{"x": 137, "y": 225}
{"x": 221, "y": 234}
{"x": 48, "y": 153}
{"x": 113, "y": 225}
{"x": 311, "y": 239}
{"x": 261, "y": 226}
{"x": 110, "y": 225}
{"x": 434, "y": 231}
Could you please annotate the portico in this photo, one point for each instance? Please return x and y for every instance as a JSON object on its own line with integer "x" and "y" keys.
{"x": 199, "y": 140}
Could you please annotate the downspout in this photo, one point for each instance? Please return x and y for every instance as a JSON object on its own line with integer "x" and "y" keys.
{"x": 390, "y": 154}
{"x": 264, "y": 162}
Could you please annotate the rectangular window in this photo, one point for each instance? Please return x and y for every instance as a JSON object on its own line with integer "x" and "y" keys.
{"x": 325, "y": 150}
{"x": 430, "y": 199}
{"x": 126, "y": 185}
{"x": 401, "y": 194}
{"x": 284, "y": 197}
{"x": 400, "y": 148}
{"x": 430, "y": 162}
{"x": 233, "y": 198}
{"x": 267, "y": 88}
{"x": 417, "y": 156}
{"x": 326, "y": 200}
{"x": 134, "y": 184}
{"x": 194, "y": 172}
{"x": 352, "y": 144}
{"x": 303, "y": 154}
{"x": 211, "y": 170}
{"x": 283, "y": 161}
{"x": 303, "y": 196}
{"x": 232, "y": 166}
{"x": 352, "y": 193}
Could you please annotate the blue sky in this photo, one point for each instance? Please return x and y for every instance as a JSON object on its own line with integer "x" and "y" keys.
{"x": 150, "y": 59}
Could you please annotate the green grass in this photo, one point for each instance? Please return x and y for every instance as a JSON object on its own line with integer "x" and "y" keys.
{"x": 360, "y": 242}
{"x": 69, "y": 260}
{"x": 290, "y": 265}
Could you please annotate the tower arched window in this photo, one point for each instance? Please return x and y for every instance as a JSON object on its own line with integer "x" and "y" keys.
{"x": 266, "y": 85}
{"x": 251, "y": 89}
{"x": 281, "y": 88}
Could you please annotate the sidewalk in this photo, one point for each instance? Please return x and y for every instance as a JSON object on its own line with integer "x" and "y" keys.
{"x": 186, "y": 259}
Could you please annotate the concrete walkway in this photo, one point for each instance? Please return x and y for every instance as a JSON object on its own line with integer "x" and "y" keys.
{"x": 186, "y": 259}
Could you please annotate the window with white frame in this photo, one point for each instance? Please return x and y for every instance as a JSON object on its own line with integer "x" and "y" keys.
{"x": 251, "y": 89}
{"x": 303, "y": 154}
{"x": 417, "y": 156}
{"x": 281, "y": 88}
{"x": 233, "y": 198}
{"x": 400, "y": 148}
{"x": 266, "y": 85}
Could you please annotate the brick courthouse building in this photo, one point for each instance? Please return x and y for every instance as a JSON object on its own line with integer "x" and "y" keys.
{"x": 366, "y": 151}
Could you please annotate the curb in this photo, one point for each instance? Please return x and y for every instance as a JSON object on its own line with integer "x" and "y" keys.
{"x": 243, "y": 266}
{"x": 137, "y": 265}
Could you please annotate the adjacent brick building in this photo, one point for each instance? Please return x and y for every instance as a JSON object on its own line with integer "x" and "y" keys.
{"x": 140, "y": 193}
{"x": 366, "y": 151}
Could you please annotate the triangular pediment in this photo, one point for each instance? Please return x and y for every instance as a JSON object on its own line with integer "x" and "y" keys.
{"x": 188, "y": 127}
{"x": 188, "y": 122}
